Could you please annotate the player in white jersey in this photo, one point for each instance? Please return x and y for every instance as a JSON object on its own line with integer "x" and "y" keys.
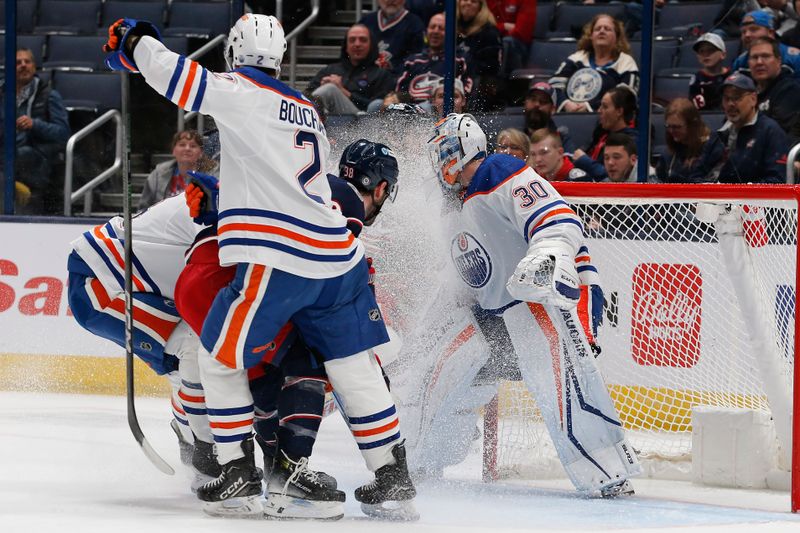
{"x": 516, "y": 244}
{"x": 161, "y": 235}
{"x": 295, "y": 257}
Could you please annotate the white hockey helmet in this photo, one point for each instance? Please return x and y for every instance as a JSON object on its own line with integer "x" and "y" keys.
{"x": 256, "y": 41}
{"x": 457, "y": 140}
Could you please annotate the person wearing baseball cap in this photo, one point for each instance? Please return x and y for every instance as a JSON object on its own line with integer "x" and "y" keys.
{"x": 760, "y": 24}
{"x": 705, "y": 89}
{"x": 539, "y": 107}
{"x": 750, "y": 147}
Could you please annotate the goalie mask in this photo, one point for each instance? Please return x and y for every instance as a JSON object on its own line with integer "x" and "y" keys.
{"x": 456, "y": 141}
{"x": 256, "y": 41}
{"x": 365, "y": 165}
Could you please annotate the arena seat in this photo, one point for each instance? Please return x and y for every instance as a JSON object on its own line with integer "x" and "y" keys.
{"x": 76, "y": 52}
{"x": 667, "y": 88}
{"x": 63, "y": 17}
{"x": 544, "y": 18}
{"x": 152, "y": 11}
{"x": 104, "y": 94}
{"x": 570, "y": 18}
{"x": 198, "y": 19}
{"x": 665, "y": 52}
{"x": 580, "y": 126}
{"x": 657, "y": 127}
{"x": 26, "y": 10}
{"x": 546, "y": 56}
{"x": 37, "y": 43}
{"x": 688, "y": 13}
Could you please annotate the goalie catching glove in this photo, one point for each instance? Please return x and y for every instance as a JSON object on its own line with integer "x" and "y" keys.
{"x": 122, "y": 38}
{"x": 547, "y": 276}
{"x": 202, "y": 198}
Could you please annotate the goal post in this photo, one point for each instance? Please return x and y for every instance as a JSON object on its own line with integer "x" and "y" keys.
{"x": 701, "y": 291}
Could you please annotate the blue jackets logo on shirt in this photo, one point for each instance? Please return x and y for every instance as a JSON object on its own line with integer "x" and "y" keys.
{"x": 584, "y": 85}
{"x": 471, "y": 260}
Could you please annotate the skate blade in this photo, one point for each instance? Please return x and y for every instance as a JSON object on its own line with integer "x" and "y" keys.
{"x": 244, "y": 507}
{"x": 283, "y": 507}
{"x": 397, "y": 511}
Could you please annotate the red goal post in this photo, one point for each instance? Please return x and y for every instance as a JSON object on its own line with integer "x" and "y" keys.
{"x": 674, "y": 210}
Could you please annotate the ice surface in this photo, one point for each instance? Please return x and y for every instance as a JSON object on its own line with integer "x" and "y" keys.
{"x": 69, "y": 464}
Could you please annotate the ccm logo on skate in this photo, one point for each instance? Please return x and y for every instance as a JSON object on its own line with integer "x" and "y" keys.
{"x": 666, "y": 314}
{"x": 471, "y": 260}
{"x": 233, "y": 489}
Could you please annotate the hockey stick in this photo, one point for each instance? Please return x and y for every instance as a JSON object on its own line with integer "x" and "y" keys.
{"x": 133, "y": 420}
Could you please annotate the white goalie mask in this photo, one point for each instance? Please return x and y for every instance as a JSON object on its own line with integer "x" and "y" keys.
{"x": 256, "y": 41}
{"x": 457, "y": 140}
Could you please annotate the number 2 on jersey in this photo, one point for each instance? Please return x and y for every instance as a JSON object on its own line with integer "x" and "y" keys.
{"x": 302, "y": 139}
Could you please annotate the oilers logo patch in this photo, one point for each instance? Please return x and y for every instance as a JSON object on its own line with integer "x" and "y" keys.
{"x": 584, "y": 85}
{"x": 471, "y": 260}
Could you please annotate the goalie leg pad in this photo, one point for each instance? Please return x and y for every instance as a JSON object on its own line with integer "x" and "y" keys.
{"x": 559, "y": 369}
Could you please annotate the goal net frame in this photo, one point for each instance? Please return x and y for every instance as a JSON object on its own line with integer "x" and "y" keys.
{"x": 614, "y": 193}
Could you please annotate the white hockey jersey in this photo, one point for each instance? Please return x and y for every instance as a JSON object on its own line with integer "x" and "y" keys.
{"x": 506, "y": 206}
{"x": 274, "y": 198}
{"x": 161, "y": 236}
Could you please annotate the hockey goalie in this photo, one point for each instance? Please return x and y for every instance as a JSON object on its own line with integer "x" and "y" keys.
{"x": 519, "y": 252}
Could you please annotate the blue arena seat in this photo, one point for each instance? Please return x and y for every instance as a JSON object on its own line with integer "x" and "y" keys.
{"x": 667, "y": 88}
{"x": 68, "y": 17}
{"x": 198, "y": 19}
{"x": 665, "y": 52}
{"x": 659, "y": 131}
{"x": 92, "y": 91}
{"x": 26, "y": 10}
{"x": 37, "y": 43}
{"x": 580, "y": 126}
{"x": 546, "y": 56}
{"x": 570, "y": 18}
{"x": 76, "y": 52}
{"x": 152, "y": 11}
{"x": 545, "y": 11}
{"x": 689, "y": 13}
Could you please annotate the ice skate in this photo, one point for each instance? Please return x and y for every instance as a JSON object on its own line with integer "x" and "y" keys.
{"x": 617, "y": 490}
{"x": 236, "y": 491}
{"x": 389, "y": 495}
{"x": 204, "y": 464}
{"x": 269, "y": 457}
{"x": 294, "y": 491}
{"x": 184, "y": 445}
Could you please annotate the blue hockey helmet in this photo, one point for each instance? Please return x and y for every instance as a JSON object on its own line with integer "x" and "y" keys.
{"x": 365, "y": 164}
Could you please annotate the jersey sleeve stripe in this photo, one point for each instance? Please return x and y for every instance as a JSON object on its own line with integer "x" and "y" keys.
{"x": 554, "y": 222}
{"x": 136, "y": 263}
{"x": 176, "y": 76}
{"x": 586, "y": 268}
{"x": 201, "y": 91}
{"x": 275, "y": 230}
{"x": 109, "y": 265}
{"x": 288, "y": 249}
{"x": 115, "y": 253}
{"x": 187, "y": 85}
{"x": 536, "y": 214}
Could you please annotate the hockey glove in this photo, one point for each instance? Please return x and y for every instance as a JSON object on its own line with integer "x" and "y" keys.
{"x": 202, "y": 197}
{"x": 122, "y": 38}
{"x": 547, "y": 276}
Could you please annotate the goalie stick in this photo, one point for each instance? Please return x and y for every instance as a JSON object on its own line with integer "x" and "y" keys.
{"x": 133, "y": 421}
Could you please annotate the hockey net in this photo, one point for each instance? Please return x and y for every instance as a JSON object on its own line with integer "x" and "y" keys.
{"x": 691, "y": 319}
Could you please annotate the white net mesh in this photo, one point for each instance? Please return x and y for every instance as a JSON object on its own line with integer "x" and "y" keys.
{"x": 683, "y": 300}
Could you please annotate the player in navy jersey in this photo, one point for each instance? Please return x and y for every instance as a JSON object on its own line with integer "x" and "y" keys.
{"x": 295, "y": 257}
{"x": 398, "y": 31}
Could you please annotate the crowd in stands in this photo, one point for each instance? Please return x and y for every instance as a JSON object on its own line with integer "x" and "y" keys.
{"x": 732, "y": 120}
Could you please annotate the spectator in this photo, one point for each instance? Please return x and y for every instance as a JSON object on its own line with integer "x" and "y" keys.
{"x": 601, "y": 63}
{"x": 616, "y": 114}
{"x": 705, "y": 89}
{"x": 620, "y": 159}
{"x": 687, "y": 134}
{"x": 729, "y": 17}
{"x": 350, "y": 85}
{"x": 42, "y": 130}
{"x": 513, "y": 142}
{"x": 750, "y": 147}
{"x": 169, "y": 178}
{"x": 783, "y": 13}
{"x": 539, "y": 106}
{"x": 516, "y": 20}
{"x": 757, "y": 24}
{"x": 482, "y": 47}
{"x": 425, "y": 9}
{"x": 549, "y": 160}
{"x": 422, "y": 72}
{"x": 398, "y": 32}
{"x": 777, "y": 88}
{"x": 791, "y": 37}
{"x": 459, "y": 98}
